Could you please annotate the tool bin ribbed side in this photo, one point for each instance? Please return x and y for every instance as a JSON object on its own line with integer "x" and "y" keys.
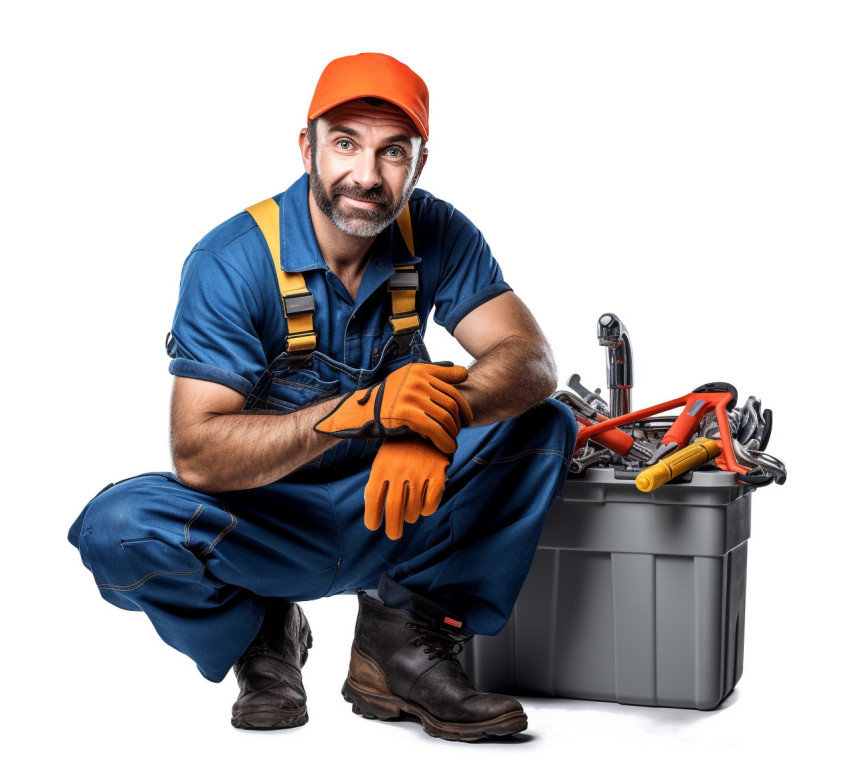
{"x": 633, "y": 597}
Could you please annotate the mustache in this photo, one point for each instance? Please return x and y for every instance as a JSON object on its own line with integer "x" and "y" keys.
{"x": 359, "y": 193}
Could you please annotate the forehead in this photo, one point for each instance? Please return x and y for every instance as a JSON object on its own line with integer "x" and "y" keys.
{"x": 359, "y": 115}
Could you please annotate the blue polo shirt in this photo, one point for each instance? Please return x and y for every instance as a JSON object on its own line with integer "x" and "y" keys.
{"x": 229, "y": 324}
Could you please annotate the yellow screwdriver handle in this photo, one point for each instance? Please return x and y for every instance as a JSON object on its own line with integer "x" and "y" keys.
{"x": 691, "y": 457}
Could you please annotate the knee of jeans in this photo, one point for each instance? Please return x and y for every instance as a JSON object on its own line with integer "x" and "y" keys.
{"x": 559, "y": 422}
{"x": 114, "y": 518}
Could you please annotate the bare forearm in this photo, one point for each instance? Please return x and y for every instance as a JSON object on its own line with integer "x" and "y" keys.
{"x": 230, "y": 452}
{"x": 511, "y": 377}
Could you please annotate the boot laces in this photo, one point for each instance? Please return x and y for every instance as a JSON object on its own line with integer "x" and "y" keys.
{"x": 439, "y": 644}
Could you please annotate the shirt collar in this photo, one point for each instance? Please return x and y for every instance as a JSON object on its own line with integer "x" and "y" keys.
{"x": 299, "y": 250}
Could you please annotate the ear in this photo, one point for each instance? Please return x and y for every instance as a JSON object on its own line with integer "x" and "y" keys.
{"x": 306, "y": 150}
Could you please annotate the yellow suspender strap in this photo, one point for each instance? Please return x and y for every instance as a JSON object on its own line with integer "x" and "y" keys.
{"x": 406, "y": 229}
{"x": 404, "y": 284}
{"x": 298, "y": 304}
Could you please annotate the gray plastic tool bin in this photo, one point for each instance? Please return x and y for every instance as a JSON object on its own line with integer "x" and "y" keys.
{"x": 632, "y": 597}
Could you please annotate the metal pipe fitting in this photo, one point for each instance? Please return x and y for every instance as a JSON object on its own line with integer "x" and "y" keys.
{"x": 612, "y": 333}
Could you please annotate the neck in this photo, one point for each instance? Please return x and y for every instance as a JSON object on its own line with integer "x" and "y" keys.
{"x": 344, "y": 254}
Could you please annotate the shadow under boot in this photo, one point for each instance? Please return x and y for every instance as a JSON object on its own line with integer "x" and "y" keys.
{"x": 404, "y": 664}
{"x": 271, "y": 693}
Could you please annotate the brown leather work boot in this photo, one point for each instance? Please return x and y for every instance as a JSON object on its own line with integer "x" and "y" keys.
{"x": 271, "y": 694}
{"x": 404, "y": 664}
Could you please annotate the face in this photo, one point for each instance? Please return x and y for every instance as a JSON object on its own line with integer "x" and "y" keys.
{"x": 364, "y": 165}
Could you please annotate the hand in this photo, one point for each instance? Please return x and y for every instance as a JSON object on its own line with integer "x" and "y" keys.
{"x": 407, "y": 480}
{"x": 418, "y": 398}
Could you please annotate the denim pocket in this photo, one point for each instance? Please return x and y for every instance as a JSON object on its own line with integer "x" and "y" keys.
{"x": 300, "y": 388}
{"x": 284, "y": 391}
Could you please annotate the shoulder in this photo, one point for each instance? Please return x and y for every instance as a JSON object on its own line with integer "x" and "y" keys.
{"x": 424, "y": 206}
{"x": 433, "y": 211}
{"x": 228, "y": 235}
{"x": 439, "y": 222}
{"x": 235, "y": 248}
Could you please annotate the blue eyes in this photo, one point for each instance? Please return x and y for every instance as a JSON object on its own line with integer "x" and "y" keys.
{"x": 393, "y": 152}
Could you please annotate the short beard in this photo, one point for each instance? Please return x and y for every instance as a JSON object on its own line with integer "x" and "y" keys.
{"x": 362, "y": 222}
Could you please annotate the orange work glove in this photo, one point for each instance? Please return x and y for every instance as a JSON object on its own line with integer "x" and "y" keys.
{"x": 418, "y": 398}
{"x": 407, "y": 480}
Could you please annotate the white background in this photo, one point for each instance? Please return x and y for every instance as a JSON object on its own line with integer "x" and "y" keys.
{"x": 684, "y": 165}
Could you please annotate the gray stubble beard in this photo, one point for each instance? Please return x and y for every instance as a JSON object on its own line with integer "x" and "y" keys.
{"x": 371, "y": 222}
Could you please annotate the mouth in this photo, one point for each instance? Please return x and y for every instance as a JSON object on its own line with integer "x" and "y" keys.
{"x": 364, "y": 204}
{"x": 357, "y": 197}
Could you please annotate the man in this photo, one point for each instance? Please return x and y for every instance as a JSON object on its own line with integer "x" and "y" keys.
{"x": 305, "y": 404}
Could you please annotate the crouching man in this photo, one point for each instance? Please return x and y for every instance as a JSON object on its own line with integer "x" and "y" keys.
{"x": 305, "y": 405}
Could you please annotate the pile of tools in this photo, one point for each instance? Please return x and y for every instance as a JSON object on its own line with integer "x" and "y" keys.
{"x": 711, "y": 430}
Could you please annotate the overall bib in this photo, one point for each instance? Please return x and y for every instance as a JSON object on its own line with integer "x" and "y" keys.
{"x": 201, "y": 565}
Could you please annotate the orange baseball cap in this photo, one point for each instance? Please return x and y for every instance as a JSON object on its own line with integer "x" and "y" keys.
{"x": 372, "y": 75}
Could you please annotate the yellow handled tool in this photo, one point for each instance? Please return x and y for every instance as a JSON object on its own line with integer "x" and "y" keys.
{"x": 690, "y": 457}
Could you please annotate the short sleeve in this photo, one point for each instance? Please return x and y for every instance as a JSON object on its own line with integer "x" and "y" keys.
{"x": 214, "y": 334}
{"x": 469, "y": 275}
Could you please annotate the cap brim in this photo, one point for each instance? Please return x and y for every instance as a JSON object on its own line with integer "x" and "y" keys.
{"x": 411, "y": 114}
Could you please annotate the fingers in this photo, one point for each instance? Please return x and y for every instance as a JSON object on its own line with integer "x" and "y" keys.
{"x": 394, "y": 509}
{"x": 422, "y": 398}
{"x": 443, "y": 379}
{"x": 437, "y": 433}
{"x": 413, "y": 501}
{"x": 454, "y": 374}
{"x": 454, "y": 400}
{"x": 375, "y": 496}
{"x": 433, "y": 415}
{"x": 433, "y": 494}
{"x": 403, "y": 401}
{"x": 407, "y": 480}
{"x": 388, "y": 502}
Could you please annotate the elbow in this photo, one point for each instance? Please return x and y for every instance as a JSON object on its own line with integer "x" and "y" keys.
{"x": 189, "y": 475}
{"x": 548, "y": 374}
{"x": 550, "y": 385}
{"x": 546, "y": 386}
{"x": 189, "y": 470}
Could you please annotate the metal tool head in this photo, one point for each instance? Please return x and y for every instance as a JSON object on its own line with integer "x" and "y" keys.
{"x": 576, "y": 404}
{"x": 588, "y": 457}
{"x": 591, "y": 397}
{"x": 753, "y": 423}
{"x": 709, "y": 427}
{"x": 759, "y": 462}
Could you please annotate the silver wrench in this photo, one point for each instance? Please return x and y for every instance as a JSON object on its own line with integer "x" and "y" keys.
{"x": 581, "y": 463}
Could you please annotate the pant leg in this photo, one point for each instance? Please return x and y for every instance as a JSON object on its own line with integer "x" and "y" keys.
{"x": 472, "y": 555}
{"x": 199, "y": 565}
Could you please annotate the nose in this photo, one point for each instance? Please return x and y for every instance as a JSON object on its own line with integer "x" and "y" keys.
{"x": 366, "y": 172}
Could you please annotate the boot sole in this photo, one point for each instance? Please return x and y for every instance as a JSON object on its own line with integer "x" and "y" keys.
{"x": 269, "y": 718}
{"x": 373, "y": 705}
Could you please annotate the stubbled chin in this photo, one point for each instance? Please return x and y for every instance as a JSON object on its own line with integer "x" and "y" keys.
{"x": 359, "y": 227}
{"x": 364, "y": 215}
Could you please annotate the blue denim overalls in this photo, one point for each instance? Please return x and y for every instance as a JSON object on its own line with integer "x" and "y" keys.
{"x": 282, "y": 389}
{"x": 200, "y": 565}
